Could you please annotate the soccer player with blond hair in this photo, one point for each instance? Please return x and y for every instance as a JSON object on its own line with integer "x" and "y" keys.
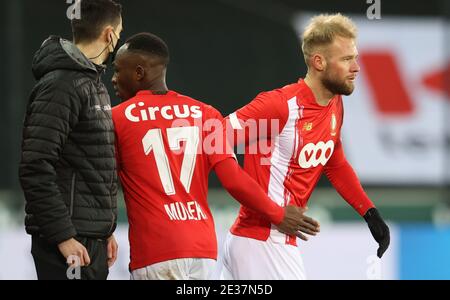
{"x": 307, "y": 143}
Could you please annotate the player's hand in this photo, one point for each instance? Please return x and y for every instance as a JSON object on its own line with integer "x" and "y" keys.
{"x": 379, "y": 230}
{"x": 112, "y": 248}
{"x": 71, "y": 248}
{"x": 296, "y": 223}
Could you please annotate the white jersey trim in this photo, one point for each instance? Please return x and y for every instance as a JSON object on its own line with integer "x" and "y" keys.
{"x": 285, "y": 144}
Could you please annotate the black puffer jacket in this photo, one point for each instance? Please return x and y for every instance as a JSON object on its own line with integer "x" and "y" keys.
{"x": 68, "y": 167}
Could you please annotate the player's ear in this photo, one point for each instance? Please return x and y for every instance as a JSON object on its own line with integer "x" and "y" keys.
{"x": 318, "y": 61}
{"x": 106, "y": 34}
{"x": 140, "y": 73}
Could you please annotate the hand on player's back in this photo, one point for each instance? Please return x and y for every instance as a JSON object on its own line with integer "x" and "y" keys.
{"x": 295, "y": 222}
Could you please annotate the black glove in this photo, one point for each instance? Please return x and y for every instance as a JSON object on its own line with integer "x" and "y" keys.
{"x": 379, "y": 230}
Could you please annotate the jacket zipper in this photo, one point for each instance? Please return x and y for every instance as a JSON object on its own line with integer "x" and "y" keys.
{"x": 72, "y": 193}
{"x": 111, "y": 202}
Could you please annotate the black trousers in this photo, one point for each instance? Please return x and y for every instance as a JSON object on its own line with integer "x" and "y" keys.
{"x": 51, "y": 265}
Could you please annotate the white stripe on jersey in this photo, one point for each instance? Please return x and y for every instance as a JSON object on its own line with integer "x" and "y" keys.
{"x": 279, "y": 162}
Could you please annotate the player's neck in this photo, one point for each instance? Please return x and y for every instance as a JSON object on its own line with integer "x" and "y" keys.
{"x": 323, "y": 95}
{"x": 156, "y": 86}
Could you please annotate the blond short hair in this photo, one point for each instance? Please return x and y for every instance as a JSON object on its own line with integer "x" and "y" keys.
{"x": 322, "y": 30}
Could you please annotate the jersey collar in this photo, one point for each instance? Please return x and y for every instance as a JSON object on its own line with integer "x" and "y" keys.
{"x": 155, "y": 93}
{"x": 308, "y": 95}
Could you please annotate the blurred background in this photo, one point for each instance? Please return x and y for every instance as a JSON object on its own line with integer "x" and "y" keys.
{"x": 224, "y": 52}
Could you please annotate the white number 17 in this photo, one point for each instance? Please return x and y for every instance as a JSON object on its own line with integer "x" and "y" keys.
{"x": 153, "y": 140}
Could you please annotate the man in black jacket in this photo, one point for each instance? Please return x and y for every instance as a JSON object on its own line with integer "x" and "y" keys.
{"x": 68, "y": 168}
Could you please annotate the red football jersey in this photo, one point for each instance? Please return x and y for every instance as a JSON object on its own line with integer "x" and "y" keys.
{"x": 305, "y": 139}
{"x": 163, "y": 168}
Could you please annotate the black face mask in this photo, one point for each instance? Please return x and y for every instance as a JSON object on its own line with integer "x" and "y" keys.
{"x": 112, "y": 55}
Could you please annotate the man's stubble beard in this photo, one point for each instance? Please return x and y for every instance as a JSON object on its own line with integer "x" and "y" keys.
{"x": 337, "y": 87}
